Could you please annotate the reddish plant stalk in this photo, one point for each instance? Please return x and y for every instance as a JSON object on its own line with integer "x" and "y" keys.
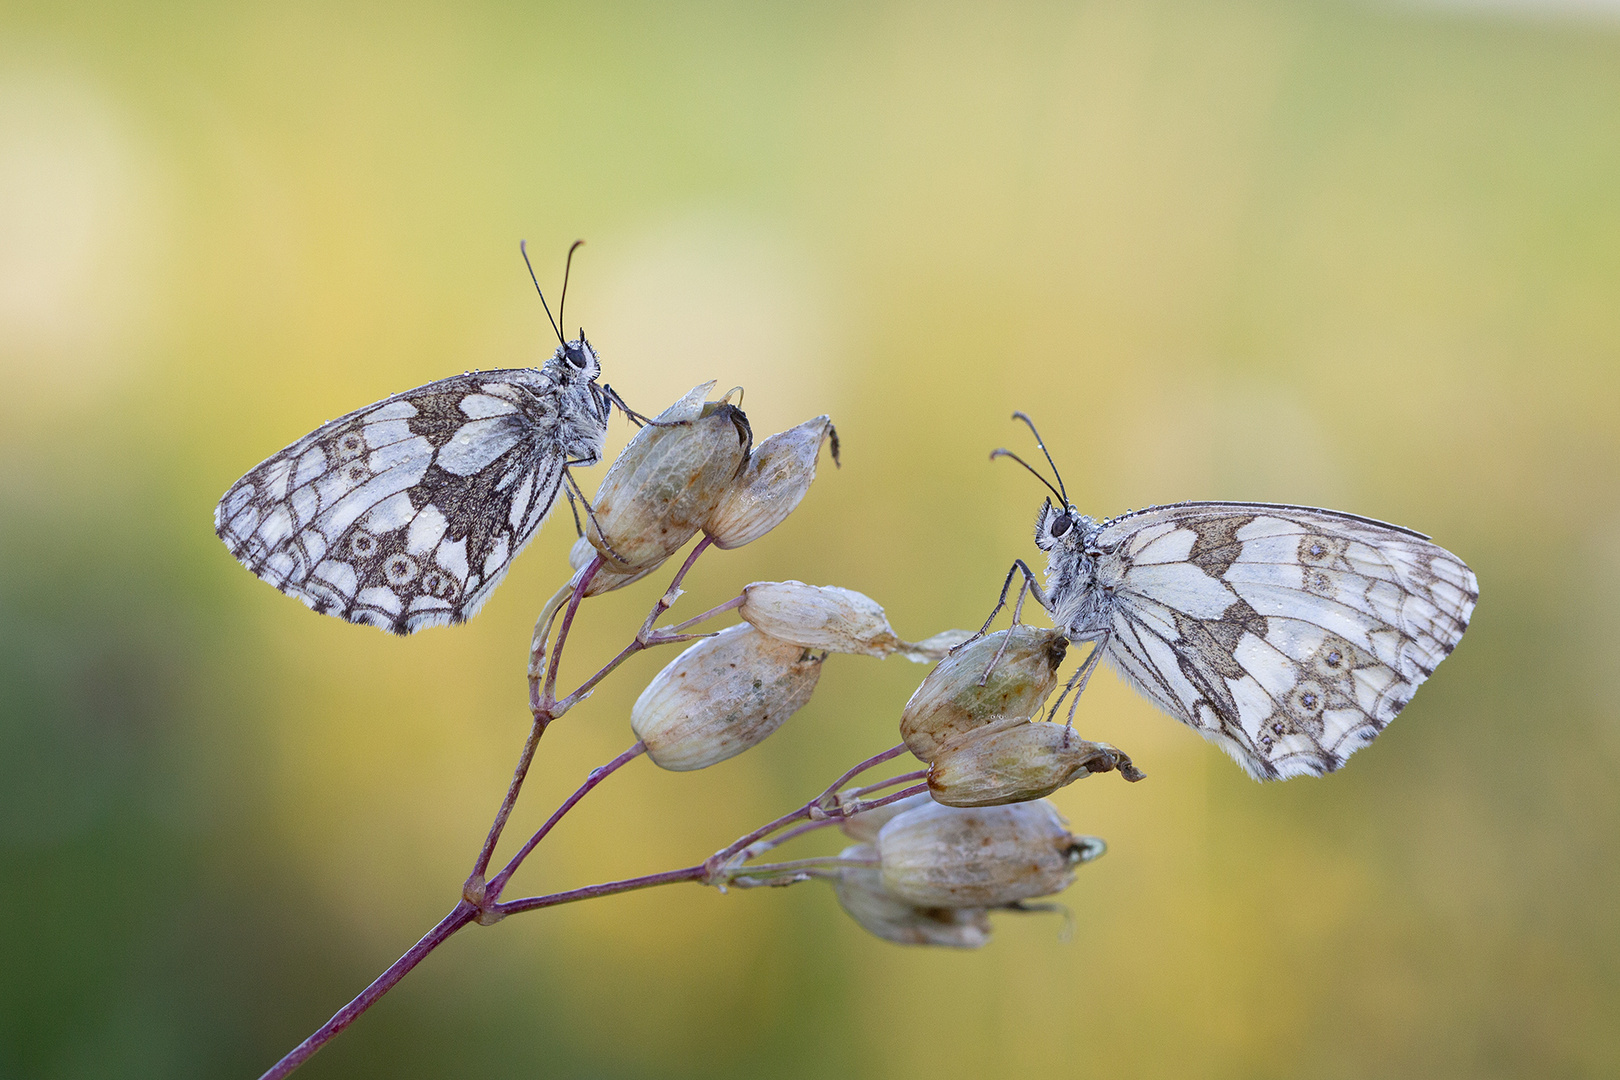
{"x": 462, "y": 914}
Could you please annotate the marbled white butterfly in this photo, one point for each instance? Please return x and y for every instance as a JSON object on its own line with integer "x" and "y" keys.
{"x": 407, "y": 513}
{"x": 1287, "y": 635}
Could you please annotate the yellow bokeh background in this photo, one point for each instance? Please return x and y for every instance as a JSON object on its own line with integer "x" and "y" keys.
{"x": 1360, "y": 254}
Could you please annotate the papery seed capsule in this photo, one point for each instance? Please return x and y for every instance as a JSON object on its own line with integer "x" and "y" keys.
{"x": 819, "y": 617}
{"x": 989, "y": 768}
{"x": 664, "y": 484}
{"x": 607, "y": 578}
{"x": 942, "y": 856}
{"x": 950, "y": 700}
{"x": 722, "y": 696}
{"x": 861, "y": 894}
{"x": 772, "y": 484}
{"x": 866, "y": 825}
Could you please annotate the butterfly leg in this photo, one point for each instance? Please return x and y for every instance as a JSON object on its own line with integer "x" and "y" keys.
{"x": 573, "y": 508}
{"x": 1017, "y": 617}
{"x": 611, "y": 396}
{"x": 568, "y": 477}
{"x": 1077, "y": 682}
{"x": 1029, "y": 583}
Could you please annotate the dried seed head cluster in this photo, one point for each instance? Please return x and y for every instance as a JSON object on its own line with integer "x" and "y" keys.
{"x": 931, "y": 860}
{"x": 925, "y": 869}
{"x": 973, "y": 721}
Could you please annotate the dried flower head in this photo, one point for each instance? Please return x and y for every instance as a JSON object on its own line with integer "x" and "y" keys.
{"x": 722, "y": 696}
{"x": 1016, "y": 764}
{"x": 668, "y": 479}
{"x": 943, "y": 856}
{"x": 775, "y": 480}
{"x": 861, "y": 894}
{"x": 951, "y": 700}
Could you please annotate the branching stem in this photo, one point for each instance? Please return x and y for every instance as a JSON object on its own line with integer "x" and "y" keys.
{"x": 597, "y": 775}
{"x": 481, "y": 900}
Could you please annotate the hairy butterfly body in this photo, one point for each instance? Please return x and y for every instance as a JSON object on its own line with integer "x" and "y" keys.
{"x": 407, "y": 513}
{"x": 1290, "y": 636}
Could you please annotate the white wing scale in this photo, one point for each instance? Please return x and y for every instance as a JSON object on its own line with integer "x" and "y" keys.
{"x": 1290, "y": 636}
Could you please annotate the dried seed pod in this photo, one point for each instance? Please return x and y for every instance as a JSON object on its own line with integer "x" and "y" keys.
{"x": 607, "y": 578}
{"x": 988, "y": 856}
{"x": 722, "y": 696}
{"x": 865, "y": 825}
{"x": 950, "y": 700}
{"x": 1016, "y": 764}
{"x": 664, "y": 484}
{"x": 861, "y": 894}
{"x": 819, "y": 617}
{"x": 772, "y": 484}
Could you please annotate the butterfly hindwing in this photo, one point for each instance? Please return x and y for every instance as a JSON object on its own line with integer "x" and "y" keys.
{"x": 405, "y": 514}
{"x": 1289, "y": 635}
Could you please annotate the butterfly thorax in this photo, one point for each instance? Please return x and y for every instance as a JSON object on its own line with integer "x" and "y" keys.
{"x": 1078, "y": 603}
{"x": 581, "y": 406}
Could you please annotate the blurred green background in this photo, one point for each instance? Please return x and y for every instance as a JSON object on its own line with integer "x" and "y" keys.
{"x": 1362, "y": 255}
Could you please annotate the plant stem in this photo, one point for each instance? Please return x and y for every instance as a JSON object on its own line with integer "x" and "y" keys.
{"x": 493, "y": 893}
{"x": 856, "y": 770}
{"x": 646, "y": 638}
{"x": 863, "y": 807}
{"x": 718, "y": 609}
{"x": 760, "y": 847}
{"x": 475, "y": 881}
{"x": 903, "y": 778}
{"x": 549, "y": 698}
{"x": 814, "y": 807}
{"x": 674, "y": 590}
{"x": 590, "y": 892}
{"x": 462, "y": 914}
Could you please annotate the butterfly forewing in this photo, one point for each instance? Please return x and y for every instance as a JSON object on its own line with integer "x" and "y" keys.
{"x": 405, "y": 514}
{"x": 1289, "y": 635}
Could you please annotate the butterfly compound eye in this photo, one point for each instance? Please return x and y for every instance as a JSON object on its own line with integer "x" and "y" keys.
{"x": 575, "y": 357}
{"x": 1061, "y": 523}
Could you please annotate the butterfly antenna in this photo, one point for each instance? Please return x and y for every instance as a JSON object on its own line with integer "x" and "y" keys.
{"x": 1040, "y": 443}
{"x": 523, "y": 246}
{"x": 1002, "y": 451}
{"x": 567, "y": 266}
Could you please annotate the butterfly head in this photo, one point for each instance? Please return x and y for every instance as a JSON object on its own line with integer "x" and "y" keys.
{"x": 575, "y": 361}
{"x": 1056, "y": 527}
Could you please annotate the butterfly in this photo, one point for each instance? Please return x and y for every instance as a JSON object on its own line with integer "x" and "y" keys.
{"x": 407, "y": 513}
{"x": 1289, "y": 636}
